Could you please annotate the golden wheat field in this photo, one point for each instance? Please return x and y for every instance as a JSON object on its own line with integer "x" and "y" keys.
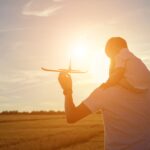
{"x": 50, "y": 132}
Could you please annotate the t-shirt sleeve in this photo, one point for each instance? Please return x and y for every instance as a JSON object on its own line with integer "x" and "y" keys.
{"x": 95, "y": 101}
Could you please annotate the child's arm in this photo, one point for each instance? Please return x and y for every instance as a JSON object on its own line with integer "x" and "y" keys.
{"x": 114, "y": 77}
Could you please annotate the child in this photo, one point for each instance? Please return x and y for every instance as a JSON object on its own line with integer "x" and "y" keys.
{"x": 126, "y": 69}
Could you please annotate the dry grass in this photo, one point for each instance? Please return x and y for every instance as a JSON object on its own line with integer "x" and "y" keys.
{"x": 50, "y": 132}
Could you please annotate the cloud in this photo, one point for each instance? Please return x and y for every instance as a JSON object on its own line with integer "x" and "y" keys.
{"x": 57, "y": 0}
{"x": 44, "y": 13}
{"x": 42, "y": 8}
{"x": 10, "y": 29}
{"x": 23, "y": 85}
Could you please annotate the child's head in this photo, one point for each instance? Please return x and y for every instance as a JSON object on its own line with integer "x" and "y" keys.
{"x": 114, "y": 45}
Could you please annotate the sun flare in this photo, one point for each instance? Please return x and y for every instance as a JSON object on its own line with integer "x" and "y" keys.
{"x": 99, "y": 66}
{"x": 94, "y": 61}
{"x": 79, "y": 50}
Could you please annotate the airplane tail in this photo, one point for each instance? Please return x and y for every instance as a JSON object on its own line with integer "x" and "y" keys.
{"x": 70, "y": 67}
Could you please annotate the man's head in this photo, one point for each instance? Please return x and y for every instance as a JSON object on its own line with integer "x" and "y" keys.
{"x": 114, "y": 45}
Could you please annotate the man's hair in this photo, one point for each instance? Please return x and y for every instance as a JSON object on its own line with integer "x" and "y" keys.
{"x": 115, "y": 44}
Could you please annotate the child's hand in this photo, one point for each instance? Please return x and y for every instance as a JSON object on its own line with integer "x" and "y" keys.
{"x": 105, "y": 85}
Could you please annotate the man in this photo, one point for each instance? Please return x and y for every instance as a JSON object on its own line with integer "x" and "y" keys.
{"x": 124, "y": 100}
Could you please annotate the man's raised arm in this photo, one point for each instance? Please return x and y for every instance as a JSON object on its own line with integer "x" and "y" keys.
{"x": 73, "y": 113}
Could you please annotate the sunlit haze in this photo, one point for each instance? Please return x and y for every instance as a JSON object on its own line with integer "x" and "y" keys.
{"x": 47, "y": 33}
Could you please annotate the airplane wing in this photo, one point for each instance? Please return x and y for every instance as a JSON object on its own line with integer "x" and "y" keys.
{"x": 63, "y": 70}
{"x": 77, "y": 71}
{"x": 51, "y": 70}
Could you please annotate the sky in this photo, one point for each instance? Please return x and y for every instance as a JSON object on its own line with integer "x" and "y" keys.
{"x": 45, "y": 33}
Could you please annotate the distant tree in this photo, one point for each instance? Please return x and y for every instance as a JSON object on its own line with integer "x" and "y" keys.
{"x": 41, "y": 112}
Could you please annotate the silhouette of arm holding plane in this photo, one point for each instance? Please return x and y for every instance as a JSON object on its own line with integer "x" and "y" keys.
{"x": 73, "y": 113}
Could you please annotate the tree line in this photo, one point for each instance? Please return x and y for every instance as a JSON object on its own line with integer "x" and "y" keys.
{"x": 15, "y": 112}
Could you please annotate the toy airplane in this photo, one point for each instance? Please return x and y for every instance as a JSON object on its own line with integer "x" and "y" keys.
{"x": 69, "y": 70}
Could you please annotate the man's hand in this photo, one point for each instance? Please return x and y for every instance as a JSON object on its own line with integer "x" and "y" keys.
{"x": 65, "y": 82}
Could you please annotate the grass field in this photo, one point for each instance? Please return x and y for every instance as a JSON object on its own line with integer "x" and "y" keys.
{"x": 50, "y": 132}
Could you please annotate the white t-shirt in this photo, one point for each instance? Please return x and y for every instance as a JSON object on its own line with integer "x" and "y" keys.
{"x": 126, "y": 115}
{"x": 136, "y": 73}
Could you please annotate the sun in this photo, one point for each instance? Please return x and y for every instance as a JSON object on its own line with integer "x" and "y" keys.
{"x": 79, "y": 50}
{"x": 93, "y": 59}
